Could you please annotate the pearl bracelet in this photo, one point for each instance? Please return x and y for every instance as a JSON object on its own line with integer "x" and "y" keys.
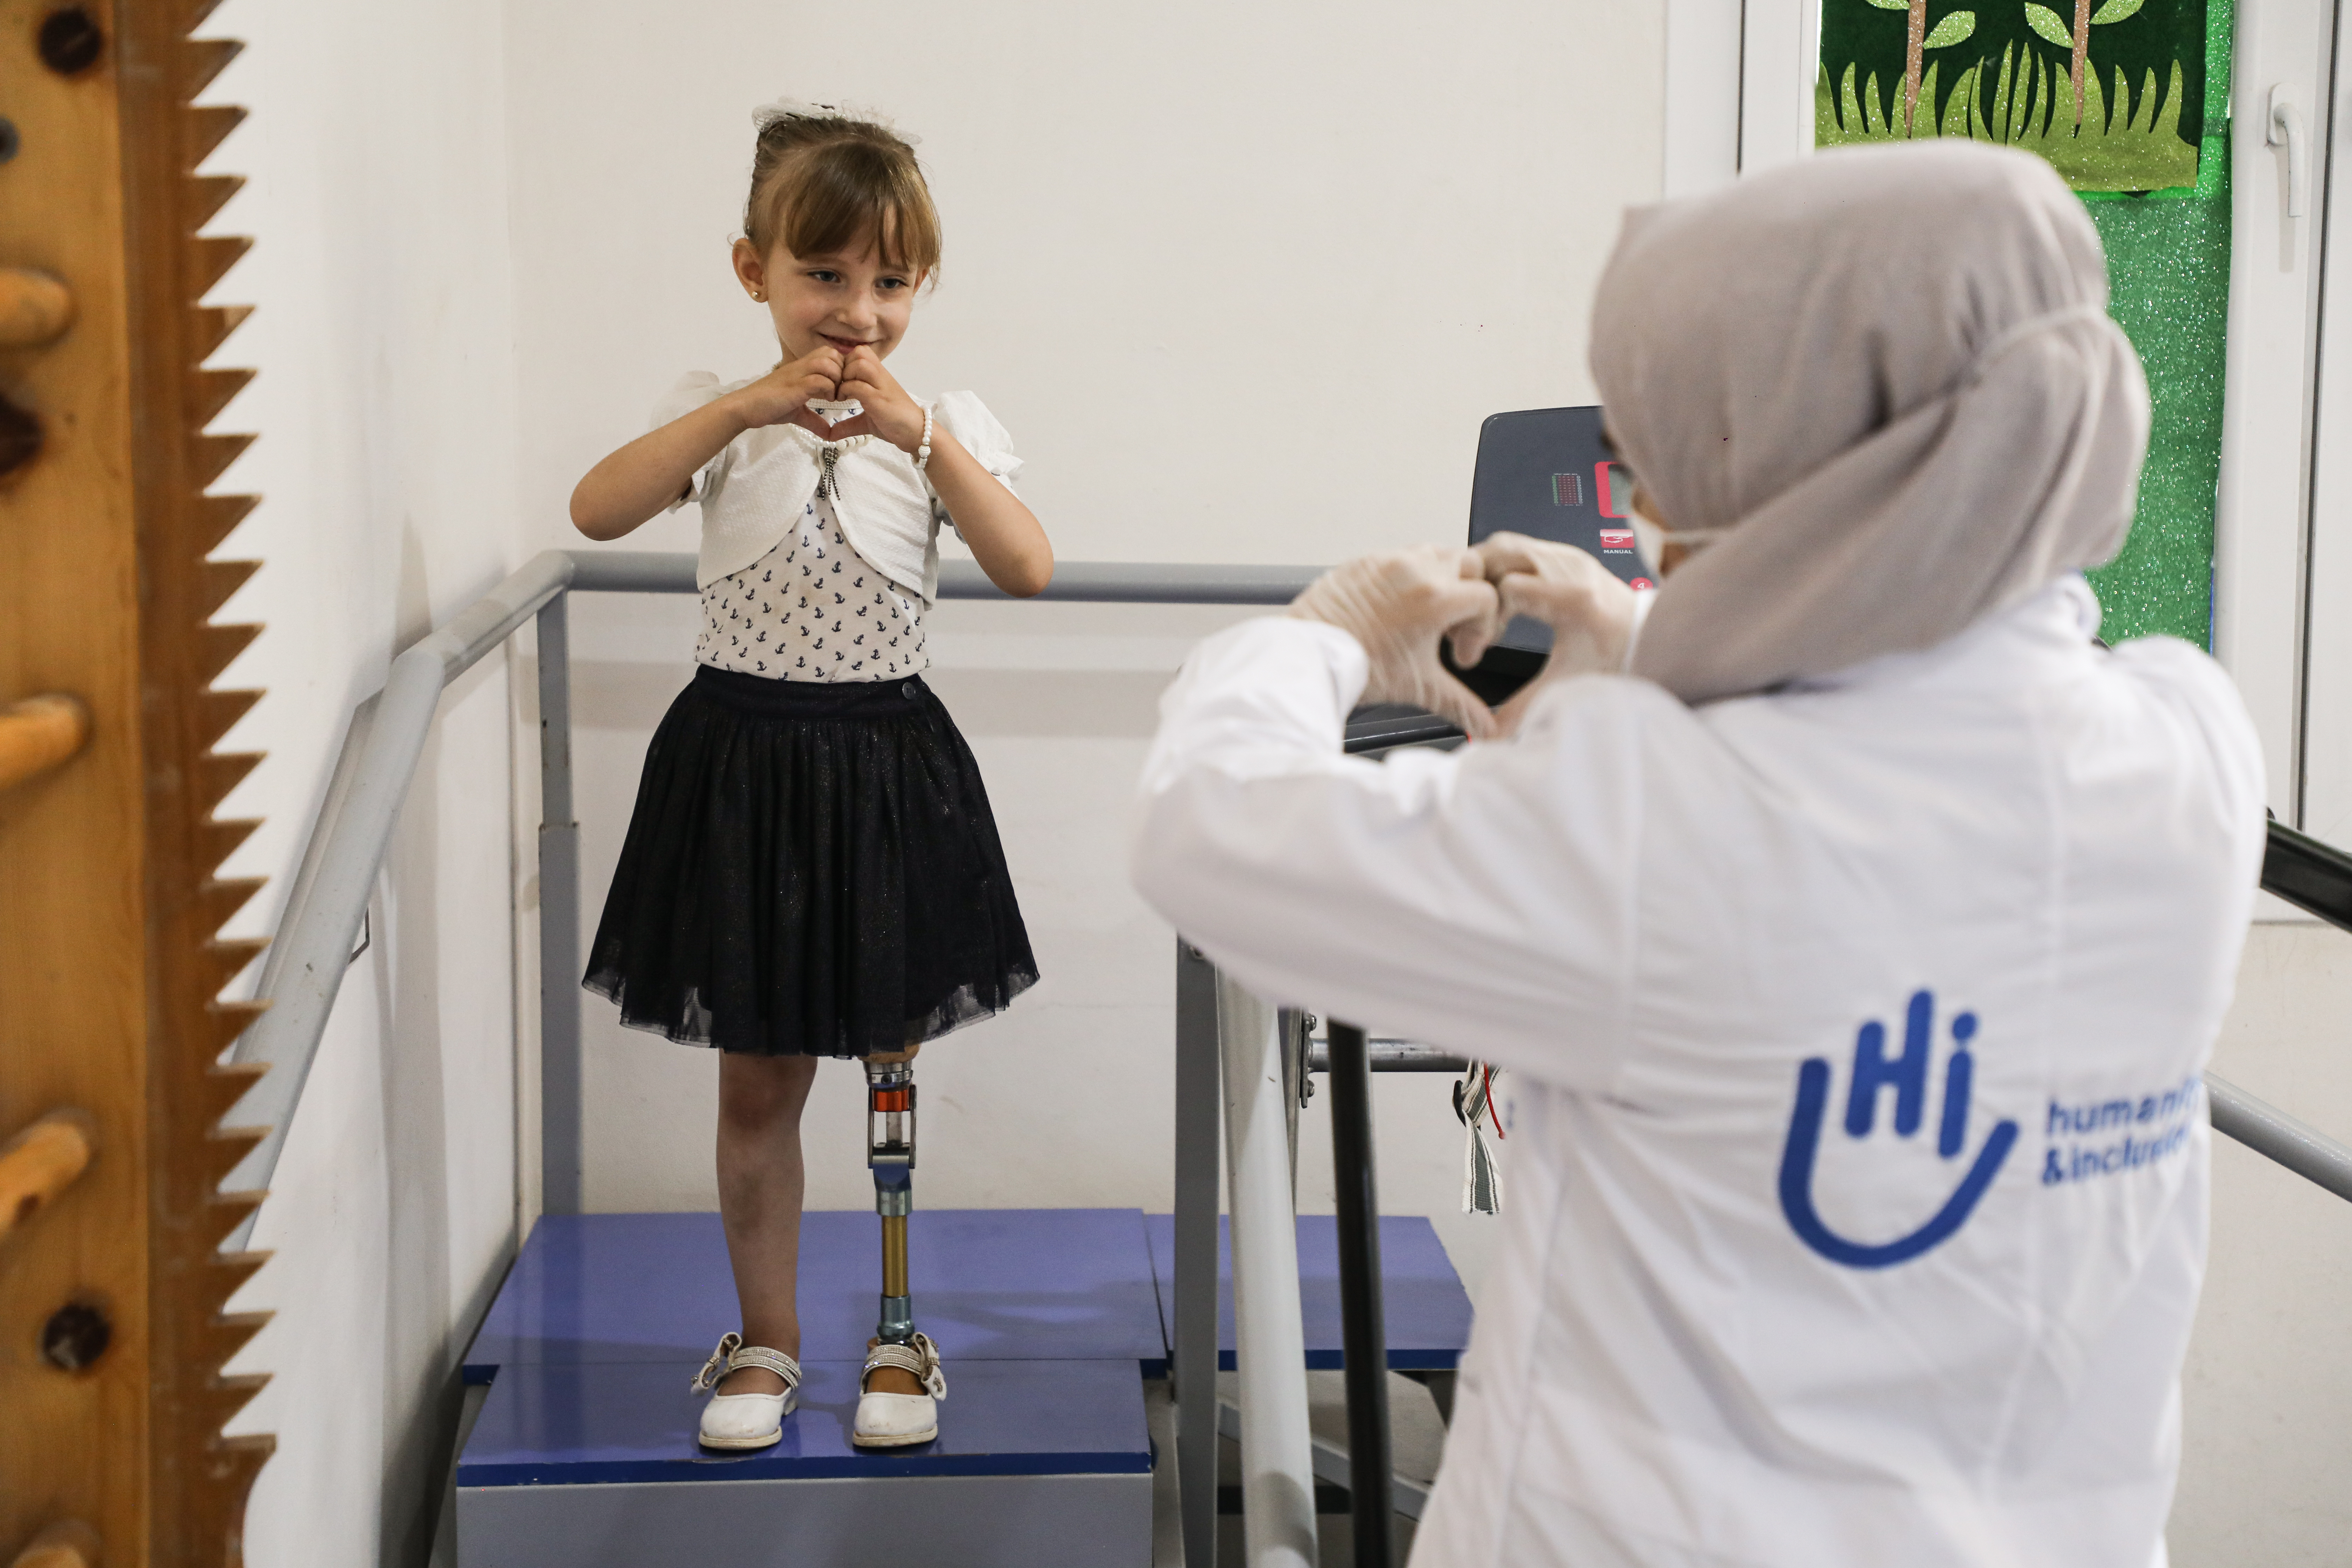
{"x": 923, "y": 452}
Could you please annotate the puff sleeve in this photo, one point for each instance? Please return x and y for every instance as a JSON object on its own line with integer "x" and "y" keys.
{"x": 964, "y": 416}
{"x": 694, "y": 389}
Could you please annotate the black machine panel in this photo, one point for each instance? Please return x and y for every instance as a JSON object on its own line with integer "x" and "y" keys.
{"x": 1547, "y": 473}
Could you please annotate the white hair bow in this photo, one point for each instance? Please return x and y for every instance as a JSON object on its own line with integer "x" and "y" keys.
{"x": 767, "y": 114}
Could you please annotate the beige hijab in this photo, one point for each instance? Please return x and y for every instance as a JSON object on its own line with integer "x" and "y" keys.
{"x": 1889, "y": 373}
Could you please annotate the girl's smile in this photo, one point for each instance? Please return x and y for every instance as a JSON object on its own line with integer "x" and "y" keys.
{"x": 843, "y": 302}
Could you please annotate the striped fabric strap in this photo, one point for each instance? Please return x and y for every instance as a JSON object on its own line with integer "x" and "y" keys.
{"x": 733, "y": 1354}
{"x": 921, "y": 1357}
{"x": 1482, "y": 1175}
{"x": 777, "y": 1362}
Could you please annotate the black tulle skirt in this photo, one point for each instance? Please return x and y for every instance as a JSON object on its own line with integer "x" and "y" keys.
{"x": 811, "y": 869}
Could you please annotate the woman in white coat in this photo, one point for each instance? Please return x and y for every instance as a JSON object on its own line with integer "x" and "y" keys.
{"x": 1857, "y": 926}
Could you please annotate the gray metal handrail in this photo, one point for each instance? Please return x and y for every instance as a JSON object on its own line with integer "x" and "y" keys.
{"x": 305, "y": 964}
{"x": 304, "y": 968}
{"x": 2268, "y": 1131}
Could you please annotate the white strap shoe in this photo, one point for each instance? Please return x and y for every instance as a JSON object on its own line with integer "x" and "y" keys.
{"x": 900, "y": 1420}
{"x": 745, "y": 1420}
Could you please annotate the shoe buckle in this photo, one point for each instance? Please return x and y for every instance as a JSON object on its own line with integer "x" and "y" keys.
{"x": 715, "y": 1368}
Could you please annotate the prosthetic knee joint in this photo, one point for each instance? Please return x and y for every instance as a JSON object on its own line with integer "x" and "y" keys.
{"x": 890, "y": 1154}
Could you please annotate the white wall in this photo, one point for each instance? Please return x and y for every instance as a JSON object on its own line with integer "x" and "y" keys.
{"x": 377, "y": 187}
{"x": 2266, "y": 1445}
{"x": 1241, "y": 280}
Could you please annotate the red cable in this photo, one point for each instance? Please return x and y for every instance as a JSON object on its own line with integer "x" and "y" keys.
{"x": 1499, "y": 1133}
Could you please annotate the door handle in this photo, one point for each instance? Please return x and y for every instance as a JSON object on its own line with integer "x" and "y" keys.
{"x": 2287, "y": 131}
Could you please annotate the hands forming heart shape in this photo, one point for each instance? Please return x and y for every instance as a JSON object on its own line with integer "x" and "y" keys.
{"x": 838, "y": 388}
{"x": 1401, "y": 604}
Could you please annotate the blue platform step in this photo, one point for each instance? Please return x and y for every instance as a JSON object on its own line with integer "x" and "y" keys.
{"x": 569, "y": 1424}
{"x": 584, "y": 1451}
{"x": 990, "y": 1284}
{"x": 1047, "y": 1320}
{"x": 1427, "y": 1311}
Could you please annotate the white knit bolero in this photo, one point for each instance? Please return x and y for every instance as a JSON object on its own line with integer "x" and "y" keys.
{"x": 757, "y": 488}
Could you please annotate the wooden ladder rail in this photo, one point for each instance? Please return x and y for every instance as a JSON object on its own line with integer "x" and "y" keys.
{"x": 111, "y": 1091}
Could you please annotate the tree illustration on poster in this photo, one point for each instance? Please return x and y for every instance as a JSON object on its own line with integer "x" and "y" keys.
{"x": 2114, "y": 94}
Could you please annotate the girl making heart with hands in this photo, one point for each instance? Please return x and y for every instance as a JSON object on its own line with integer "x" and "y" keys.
{"x": 812, "y": 868}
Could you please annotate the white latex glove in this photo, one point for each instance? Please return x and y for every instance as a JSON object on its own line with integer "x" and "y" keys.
{"x": 1588, "y": 608}
{"x": 1398, "y": 606}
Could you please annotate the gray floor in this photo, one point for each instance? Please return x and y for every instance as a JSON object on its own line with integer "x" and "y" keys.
{"x": 1418, "y": 1438}
{"x": 1166, "y": 1525}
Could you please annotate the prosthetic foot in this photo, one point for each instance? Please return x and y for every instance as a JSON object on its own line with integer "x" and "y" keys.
{"x": 885, "y": 1419}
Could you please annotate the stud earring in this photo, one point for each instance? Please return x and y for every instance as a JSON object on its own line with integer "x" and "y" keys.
{"x": 759, "y": 298}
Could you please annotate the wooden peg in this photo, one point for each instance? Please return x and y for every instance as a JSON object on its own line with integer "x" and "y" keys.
{"x": 39, "y": 734}
{"x": 41, "y": 1161}
{"x": 34, "y": 307}
{"x": 68, "y": 1543}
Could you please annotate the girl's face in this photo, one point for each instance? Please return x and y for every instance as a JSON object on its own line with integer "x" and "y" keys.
{"x": 843, "y": 302}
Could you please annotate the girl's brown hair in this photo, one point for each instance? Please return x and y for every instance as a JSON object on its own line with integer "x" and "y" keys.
{"x": 821, "y": 186}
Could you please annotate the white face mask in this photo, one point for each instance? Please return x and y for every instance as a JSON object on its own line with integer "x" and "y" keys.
{"x": 1651, "y": 540}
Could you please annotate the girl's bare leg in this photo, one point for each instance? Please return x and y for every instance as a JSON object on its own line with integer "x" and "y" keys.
{"x": 760, "y": 1185}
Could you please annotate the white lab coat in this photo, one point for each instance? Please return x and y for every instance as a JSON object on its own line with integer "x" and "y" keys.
{"x": 1748, "y": 1311}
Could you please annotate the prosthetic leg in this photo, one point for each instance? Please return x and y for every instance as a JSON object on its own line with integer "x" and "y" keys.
{"x": 886, "y": 1420}
{"x": 890, "y": 1154}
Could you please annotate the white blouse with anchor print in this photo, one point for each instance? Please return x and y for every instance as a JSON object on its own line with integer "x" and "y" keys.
{"x": 811, "y": 609}
{"x": 819, "y": 557}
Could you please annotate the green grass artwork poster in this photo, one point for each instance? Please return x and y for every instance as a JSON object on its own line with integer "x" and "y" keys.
{"x": 2129, "y": 100}
{"x": 2103, "y": 93}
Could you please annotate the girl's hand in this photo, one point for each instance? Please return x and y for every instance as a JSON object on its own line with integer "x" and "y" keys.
{"x": 896, "y": 417}
{"x": 785, "y": 391}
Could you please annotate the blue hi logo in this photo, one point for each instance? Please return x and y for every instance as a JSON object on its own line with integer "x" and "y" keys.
{"x": 1906, "y": 1075}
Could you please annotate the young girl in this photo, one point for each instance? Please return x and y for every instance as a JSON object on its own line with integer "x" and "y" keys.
{"x": 812, "y": 870}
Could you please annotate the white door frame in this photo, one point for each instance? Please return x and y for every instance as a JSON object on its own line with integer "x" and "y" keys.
{"x": 1779, "y": 50}
{"x": 2262, "y": 526}
{"x": 1704, "y": 49}
{"x": 2327, "y": 668}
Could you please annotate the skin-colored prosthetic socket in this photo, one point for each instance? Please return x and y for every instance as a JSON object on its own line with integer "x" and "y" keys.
{"x": 890, "y": 1154}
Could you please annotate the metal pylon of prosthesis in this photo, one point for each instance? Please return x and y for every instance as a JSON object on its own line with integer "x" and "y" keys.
{"x": 890, "y": 1154}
